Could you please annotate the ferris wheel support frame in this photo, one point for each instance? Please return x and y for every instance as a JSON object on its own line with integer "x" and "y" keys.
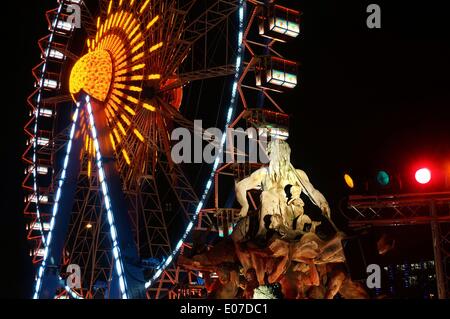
{"x": 124, "y": 247}
{"x": 48, "y": 276}
{"x": 127, "y": 269}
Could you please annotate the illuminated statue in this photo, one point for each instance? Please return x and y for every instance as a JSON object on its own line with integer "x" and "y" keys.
{"x": 292, "y": 256}
{"x": 275, "y": 180}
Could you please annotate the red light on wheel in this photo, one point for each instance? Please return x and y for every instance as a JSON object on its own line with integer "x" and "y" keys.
{"x": 423, "y": 176}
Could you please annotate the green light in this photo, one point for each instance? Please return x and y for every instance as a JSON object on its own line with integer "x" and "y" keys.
{"x": 383, "y": 178}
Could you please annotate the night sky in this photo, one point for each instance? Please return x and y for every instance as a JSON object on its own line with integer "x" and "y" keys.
{"x": 367, "y": 99}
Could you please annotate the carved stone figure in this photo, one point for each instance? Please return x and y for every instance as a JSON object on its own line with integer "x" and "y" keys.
{"x": 272, "y": 181}
{"x": 277, "y": 244}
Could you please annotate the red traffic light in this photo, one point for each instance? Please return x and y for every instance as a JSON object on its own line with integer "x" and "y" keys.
{"x": 423, "y": 176}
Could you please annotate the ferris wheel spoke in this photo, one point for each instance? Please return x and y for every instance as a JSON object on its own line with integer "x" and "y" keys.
{"x": 153, "y": 238}
{"x": 185, "y": 194}
{"x": 155, "y": 241}
{"x": 176, "y": 179}
{"x": 177, "y": 15}
{"x": 57, "y": 99}
{"x": 216, "y": 13}
{"x": 203, "y": 74}
{"x": 179, "y": 119}
{"x": 88, "y": 20}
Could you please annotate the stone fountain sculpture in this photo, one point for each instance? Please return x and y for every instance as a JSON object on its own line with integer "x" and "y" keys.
{"x": 278, "y": 243}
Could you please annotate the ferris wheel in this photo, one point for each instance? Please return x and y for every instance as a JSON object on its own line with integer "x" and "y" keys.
{"x": 104, "y": 197}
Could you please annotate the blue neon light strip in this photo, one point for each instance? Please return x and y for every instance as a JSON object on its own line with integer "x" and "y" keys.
{"x": 107, "y": 202}
{"x": 56, "y": 203}
{"x": 217, "y": 160}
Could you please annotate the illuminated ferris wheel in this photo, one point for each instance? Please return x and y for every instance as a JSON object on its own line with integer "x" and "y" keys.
{"x": 104, "y": 197}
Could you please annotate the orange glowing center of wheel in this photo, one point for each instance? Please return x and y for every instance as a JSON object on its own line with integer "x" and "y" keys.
{"x": 92, "y": 73}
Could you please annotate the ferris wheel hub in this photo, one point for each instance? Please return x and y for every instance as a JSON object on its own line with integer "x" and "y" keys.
{"x": 92, "y": 73}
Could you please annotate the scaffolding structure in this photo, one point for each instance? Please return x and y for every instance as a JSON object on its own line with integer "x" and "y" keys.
{"x": 410, "y": 209}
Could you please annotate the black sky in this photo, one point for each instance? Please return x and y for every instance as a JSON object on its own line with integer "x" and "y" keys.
{"x": 367, "y": 99}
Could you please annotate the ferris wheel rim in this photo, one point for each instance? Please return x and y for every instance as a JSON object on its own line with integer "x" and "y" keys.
{"x": 34, "y": 158}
